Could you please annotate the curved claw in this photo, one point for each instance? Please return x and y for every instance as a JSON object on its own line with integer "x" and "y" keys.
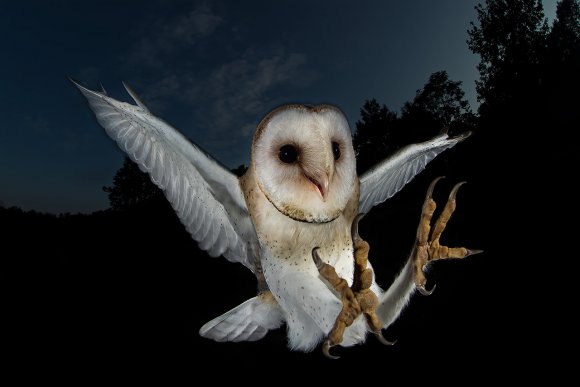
{"x": 382, "y": 339}
{"x": 455, "y": 189}
{"x": 424, "y": 291}
{"x": 432, "y": 186}
{"x": 326, "y": 351}
{"x": 473, "y": 252}
{"x": 316, "y": 258}
{"x": 354, "y": 228}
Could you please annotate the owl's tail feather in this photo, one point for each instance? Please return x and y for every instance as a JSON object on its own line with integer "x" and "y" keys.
{"x": 249, "y": 321}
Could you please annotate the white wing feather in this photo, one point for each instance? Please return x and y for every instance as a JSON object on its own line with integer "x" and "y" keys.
{"x": 389, "y": 176}
{"x": 249, "y": 321}
{"x": 206, "y": 197}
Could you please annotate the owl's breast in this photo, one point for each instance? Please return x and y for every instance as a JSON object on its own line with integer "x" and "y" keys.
{"x": 287, "y": 243}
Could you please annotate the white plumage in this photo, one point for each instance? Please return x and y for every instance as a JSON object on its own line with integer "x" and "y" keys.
{"x": 301, "y": 191}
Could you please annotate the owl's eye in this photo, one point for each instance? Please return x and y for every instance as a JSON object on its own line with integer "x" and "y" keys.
{"x": 288, "y": 154}
{"x": 336, "y": 150}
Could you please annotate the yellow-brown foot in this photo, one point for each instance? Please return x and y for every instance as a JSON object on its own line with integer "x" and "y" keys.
{"x": 350, "y": 305}
{"x": 362, "y": 281}
{"x": 357, "y": 299}
{"x": 427, "y": 246}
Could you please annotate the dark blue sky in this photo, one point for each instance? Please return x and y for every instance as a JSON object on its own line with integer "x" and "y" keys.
{"x": 212, "y": 69}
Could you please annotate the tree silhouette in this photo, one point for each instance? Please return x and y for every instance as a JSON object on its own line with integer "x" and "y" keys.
{"x": 528, "y": 75}
{"x": 240, "y": 170}
{"x": 565, "y": 33}
{"x": 439, "y": 105}
{"x": 510, "y": 39}
{"x": 528, "y": 88}
{"x": 131, "y": 188}
{"x": 372, "y": 138}
{"x": 562, "y": 64}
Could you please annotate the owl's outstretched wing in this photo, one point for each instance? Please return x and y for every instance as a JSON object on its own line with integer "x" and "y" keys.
{"x": 390, "y": 175}
{"x": 206, "y": 197}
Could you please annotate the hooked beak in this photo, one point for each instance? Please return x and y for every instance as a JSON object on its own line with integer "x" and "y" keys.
{"x": 321, "y": 182}
{"x": 319, "y": 169}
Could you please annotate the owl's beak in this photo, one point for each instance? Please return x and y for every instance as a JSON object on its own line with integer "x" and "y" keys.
{"x": 319, "y": 171}
{"x": 321, "y": 182}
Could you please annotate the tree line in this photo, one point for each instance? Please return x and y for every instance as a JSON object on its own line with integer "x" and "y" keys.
{"x": 527, "y": 92}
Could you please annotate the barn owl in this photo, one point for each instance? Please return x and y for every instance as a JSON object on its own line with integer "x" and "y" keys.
{"x": 292, "y": 218}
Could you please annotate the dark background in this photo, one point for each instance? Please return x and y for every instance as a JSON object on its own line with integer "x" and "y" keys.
{"x": 124, "y": 291}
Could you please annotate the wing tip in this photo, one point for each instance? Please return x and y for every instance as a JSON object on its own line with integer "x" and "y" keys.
{"x": 462, "y": 136}
{"x": 135, "y": 97}
{"x": 445, "y": 139}
{"x": 77, "y": 84}
{"x": 73, "y": 81}
{"x": 91, "y": 93}
{"x": 88, "y": 93}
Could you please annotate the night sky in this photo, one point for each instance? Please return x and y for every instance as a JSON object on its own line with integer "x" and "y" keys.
{"x": 212, "y": 69}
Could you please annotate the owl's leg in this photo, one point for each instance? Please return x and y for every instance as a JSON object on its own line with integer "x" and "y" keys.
{"x": 357, "y": 299}
{"x": 350, "y": 305}
{"x": 362, "y": 281}
{"x": 427, "y": 246}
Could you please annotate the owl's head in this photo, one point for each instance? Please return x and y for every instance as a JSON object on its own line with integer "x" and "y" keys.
{"x": 304, "y": 161}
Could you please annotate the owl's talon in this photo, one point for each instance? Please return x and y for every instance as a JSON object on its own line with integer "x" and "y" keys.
{"x": 316, "y": 258}
{"x": 326, "y": 351}
{"x": 432, "y": 187}
{"x": 425, "y": 292}
{"x": 354, "y": 229}
{"x": 473, "y": 252}
{"x": 427, "y": 246}
{"x": 456, "y": 187}
{"x": 382, "y": 339}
